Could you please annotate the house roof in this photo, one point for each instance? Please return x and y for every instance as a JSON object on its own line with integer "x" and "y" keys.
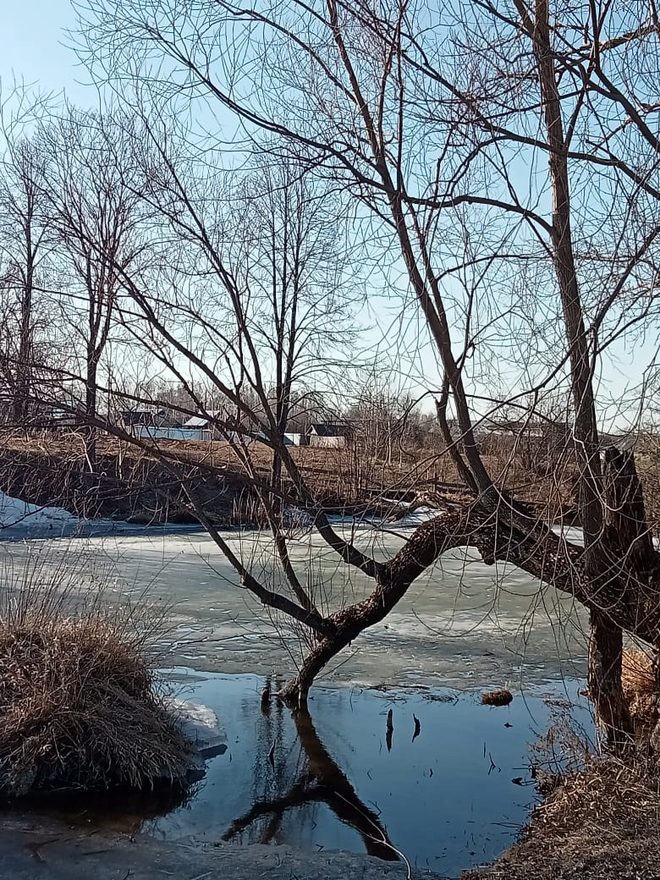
{"x": 203, "y": 421}
{"x": 329, "y": 429}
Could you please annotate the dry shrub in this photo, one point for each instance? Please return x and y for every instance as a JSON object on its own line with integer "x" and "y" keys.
{"x": 619, "y": 793}
{"x": 641, "y": 692}
{"x": 78, "y": 707}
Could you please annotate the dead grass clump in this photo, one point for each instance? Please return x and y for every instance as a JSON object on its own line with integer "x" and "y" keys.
{"x": 497, "y": 698}
{"x": 77, "y": 705}
{"x": 637, "y": 676}
{"x": 641, "y": 692}
{"x": 602, "y": 823}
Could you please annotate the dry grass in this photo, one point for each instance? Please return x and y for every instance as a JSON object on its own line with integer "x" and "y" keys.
{"x": 641, "y": 692}
{"x": 637, "y": 673}
{"x": 600, "y": 824}
{"x": 37, "y": 465}
{"x": 497, "y": 698}
{"x": 602, "y": 820}
{"x": 77, "y": 702}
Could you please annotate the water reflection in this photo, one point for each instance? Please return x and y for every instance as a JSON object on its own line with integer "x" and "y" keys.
{"x": 319, "y": 780}
{"x": 428, "y": 774}
{"x": 123, "y": 810}
{"x": 445, "y": 782}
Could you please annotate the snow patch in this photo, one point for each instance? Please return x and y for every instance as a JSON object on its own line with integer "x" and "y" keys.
{"x": 200, "y": 726}
{"x": 20, "y": 515}
{"x": 572, "y": 534}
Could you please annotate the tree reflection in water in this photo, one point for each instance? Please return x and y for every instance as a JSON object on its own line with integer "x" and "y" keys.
{"x": 317, "y": 779}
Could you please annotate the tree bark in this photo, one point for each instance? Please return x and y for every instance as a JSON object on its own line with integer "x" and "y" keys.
{"x": 91, "y": 393}
{"x": 604, "y": 676}
{"x": 625, "y": 512}
{"x": 631, "y": 561}
{"x": 475, "y": 525}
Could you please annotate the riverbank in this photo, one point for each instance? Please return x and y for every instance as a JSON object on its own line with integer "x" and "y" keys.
{"x": 33, "y": 849}
{"x": 140, "y": 486}
{"x": 600, "y": 824}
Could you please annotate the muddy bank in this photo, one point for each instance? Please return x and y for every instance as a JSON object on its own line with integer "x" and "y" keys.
{"x": 133, "y": 486}
{"x": 35, "y": 849}
{"x": 124, "y": 487}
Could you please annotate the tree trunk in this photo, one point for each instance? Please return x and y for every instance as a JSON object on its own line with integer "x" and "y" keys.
{"x": 630, "y": 558}
{"x": 605, "y": 652}
{"x": 24, "y": 365}
{"x": 626, "y": 512}
{"x": 392, "y": 581}
{"x": 91, "y": 386}
{"x": 605, "y": 643}
{"x": 295, "y": 692}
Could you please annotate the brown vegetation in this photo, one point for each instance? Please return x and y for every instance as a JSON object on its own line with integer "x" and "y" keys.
{"x": 497, "y": 698}
{"x": 77, "y": 703}
{"x": 640, "y": 688}
{"x": 51, "y": 468}
{"x": 599, "y": 824}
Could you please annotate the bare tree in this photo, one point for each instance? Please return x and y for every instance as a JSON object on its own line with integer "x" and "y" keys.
{"x": 90, "y": 206}
{"x": 430, "y": 125}
{"x": 23, "y": 250}
{"x": 297, "y": 278}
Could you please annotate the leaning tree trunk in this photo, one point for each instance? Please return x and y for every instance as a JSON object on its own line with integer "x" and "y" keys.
{"x": 295, "y": 692}
{"x": 619, "y": 585}
{"x": 476, "y": 525}
{"x": 392, "y": 580}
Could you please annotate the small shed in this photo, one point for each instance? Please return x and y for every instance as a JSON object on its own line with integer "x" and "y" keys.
{"x": 209, "y": 424}
{"x": 328, "y": 434}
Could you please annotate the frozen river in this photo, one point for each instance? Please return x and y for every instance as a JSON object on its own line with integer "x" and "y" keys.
{"x": 450, "y": 788}
{"x": 462, "y": 624}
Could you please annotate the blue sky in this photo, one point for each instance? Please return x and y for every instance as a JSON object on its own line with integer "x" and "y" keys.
{"x": 31, "y": 48}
